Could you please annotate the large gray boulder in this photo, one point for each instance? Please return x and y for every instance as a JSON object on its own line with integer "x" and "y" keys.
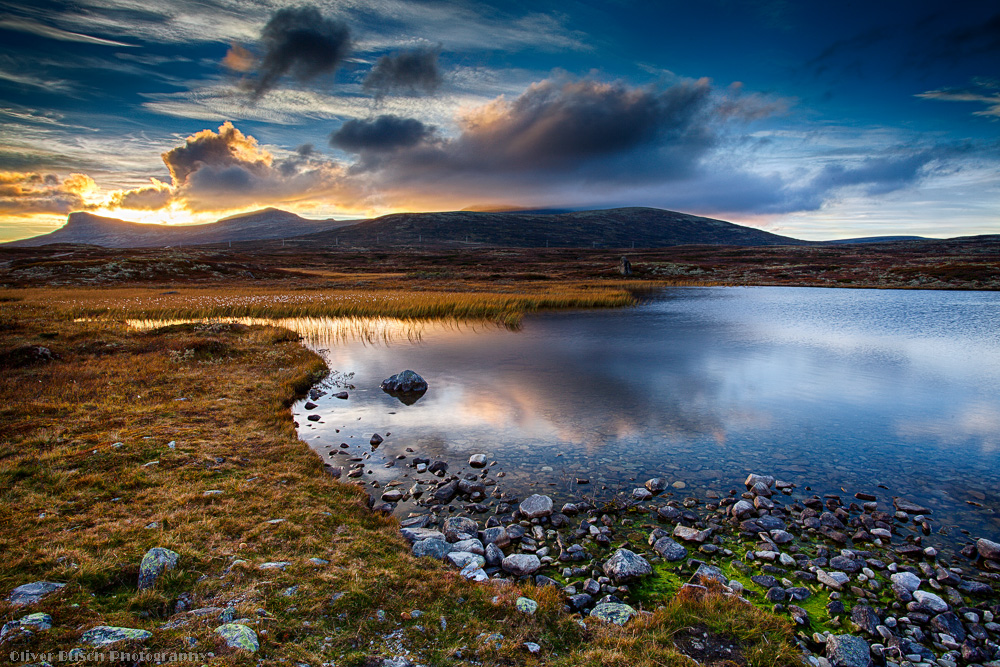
{"x": 156, "y": 561}
{"x": 536, "y": 506}
{"x": 625, "y": 565}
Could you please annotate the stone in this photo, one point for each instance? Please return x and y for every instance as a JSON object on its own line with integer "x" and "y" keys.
{"x": 274, "y": 565}
{"x": 392, "y": 496}
{"x": 988, "y": 549}
{"x": 656, "y": 485}
{"x": 471, "y": 545}
{"x": 419, "y": 534}
{"x": 156, "y": 561}
{"x": 469, "y": 487}
{"x": 642, "y": 494}
{"x": 526, "y": 605}
{"x": 691, "y": 534}
{"x": 776, "y": 594}
{"x": 405, "y": 382}
{"x": 496, "y": 535}
{"x": 376, "y": 440}
{"x": 834, "y": 580}
{"x": 314, "y": 418}
{"x": 31, "y": 593}
{"x": 477, "y": 460}
{"x": 752, "y": 479}
{"x": 536, "y": 506}
{"x": 532, "y": 647}
{"x": 494, "y": 557}
{"x": 668, "y": 513}
{"x": 930, "y": 601}
{"x": 474, "y": 572}
{"x": 847, "y": 651}
{"x": 706, "y": 573}
{"x": 742, "y": 510}
{"x": 444, "y": 493}
{"x": 907, "y": 580}
{"x": 521, "y": 564}
{"x": 613, "y": 612}
{"x": 239, "y": 636}
{"x": 845, "y": 564}
{"x": 36, "y": 622}
{"x": 625, "y": 565}
{"x": 865, "y": 619}
{"x": 105, "y": 635}
{"x": 904, "y": 505}
{"x": 458, "y": 525}
{"x": 669, "y": 550}
{"x": 949, "y": 623}
{"x": 461, "y": 559}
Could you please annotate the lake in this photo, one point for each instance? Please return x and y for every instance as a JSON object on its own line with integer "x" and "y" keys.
{"x": 888, "y": 392}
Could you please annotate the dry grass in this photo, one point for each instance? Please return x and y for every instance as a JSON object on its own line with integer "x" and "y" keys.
{"x": 220, "y": 302}
{"x": 78, "y": 508}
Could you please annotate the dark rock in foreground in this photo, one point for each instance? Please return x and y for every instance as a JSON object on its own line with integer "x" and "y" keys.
{"x": 404, "y": 383}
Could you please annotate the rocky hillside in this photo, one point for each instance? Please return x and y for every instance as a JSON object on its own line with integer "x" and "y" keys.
{"x": 269, "y": 223}
{"x": 611, "y": 228}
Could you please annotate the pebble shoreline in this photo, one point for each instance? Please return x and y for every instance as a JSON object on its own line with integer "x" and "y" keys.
{"x": 891, "y": 599}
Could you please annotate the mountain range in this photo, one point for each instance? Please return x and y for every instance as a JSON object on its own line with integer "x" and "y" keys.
{"x": 608, "y": 228}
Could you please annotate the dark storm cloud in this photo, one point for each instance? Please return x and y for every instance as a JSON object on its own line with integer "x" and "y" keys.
{"x": 385, "y": 133}
{"x": 302, "y": 42}
{"x": 556, "y": 128}
{"x": 408, "y": 72}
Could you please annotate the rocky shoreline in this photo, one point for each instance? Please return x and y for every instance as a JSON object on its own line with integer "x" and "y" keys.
{"x": 859, "y": 579}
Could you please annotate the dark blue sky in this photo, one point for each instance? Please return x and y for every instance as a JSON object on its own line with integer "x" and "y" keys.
{"x": 817, "y": 119}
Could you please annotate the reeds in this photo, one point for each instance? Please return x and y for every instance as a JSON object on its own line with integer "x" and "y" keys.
{"x": 234, "y": 302}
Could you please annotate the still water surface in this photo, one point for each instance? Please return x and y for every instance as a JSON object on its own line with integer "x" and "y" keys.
{"x": 838, "y": 390}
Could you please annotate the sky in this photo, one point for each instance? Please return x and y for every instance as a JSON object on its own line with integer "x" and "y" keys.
{"x": 817, "y": 120}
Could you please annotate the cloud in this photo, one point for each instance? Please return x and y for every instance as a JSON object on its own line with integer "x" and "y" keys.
{"x": 228, "y": 170}
{"x": 32, "y": 192}
{"x": 302, "y": 42}
{"x": 561, "y": 131}
{"x": 409, "y": 72}
{"x": 42, "y": 30}
{"x": 149, "y": 198}
{"x": 984, "y": 91}
{"x": 383, "y": 134}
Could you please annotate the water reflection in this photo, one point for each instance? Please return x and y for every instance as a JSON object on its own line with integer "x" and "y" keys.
{"x": 842, "y": 390}
{"x": 838, "y": 389}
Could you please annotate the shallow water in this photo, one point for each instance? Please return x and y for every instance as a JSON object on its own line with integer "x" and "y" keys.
{"x": 838, "y": 390}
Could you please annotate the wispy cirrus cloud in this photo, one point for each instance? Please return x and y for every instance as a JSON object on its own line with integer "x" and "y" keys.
{"x": 982, "y": 91}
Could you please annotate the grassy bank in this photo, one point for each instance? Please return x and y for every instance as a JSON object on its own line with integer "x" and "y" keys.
{"x": 181, "y": 437}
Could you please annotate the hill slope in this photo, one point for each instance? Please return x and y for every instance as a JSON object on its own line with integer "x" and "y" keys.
{"x": 611, "y": 228}
{"x": 269, "y": 223}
